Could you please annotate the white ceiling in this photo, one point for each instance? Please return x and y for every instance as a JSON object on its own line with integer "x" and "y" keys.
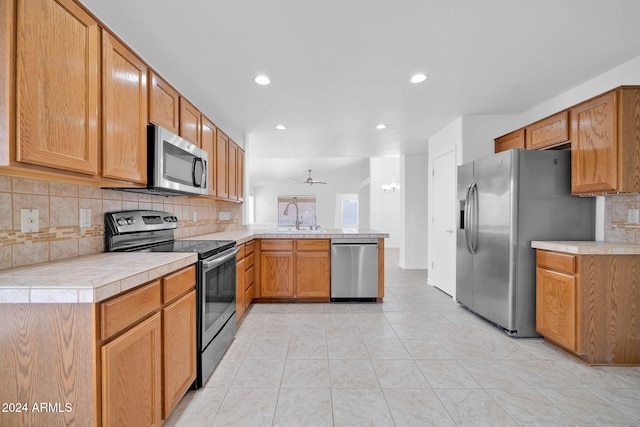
{"x": 340, "y": 67}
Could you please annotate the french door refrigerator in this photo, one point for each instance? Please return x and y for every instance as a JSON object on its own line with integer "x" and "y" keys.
{"x": 506, "y": 200}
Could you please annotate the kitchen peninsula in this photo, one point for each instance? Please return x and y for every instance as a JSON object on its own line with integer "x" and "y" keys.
{"x": 63, "y": 324}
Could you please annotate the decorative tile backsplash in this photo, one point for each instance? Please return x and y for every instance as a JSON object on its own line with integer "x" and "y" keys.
{"x": 59, "y": 204}
{"x": 616, "y": 215}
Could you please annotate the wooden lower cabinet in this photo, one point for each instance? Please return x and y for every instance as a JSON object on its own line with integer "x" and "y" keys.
{"x": 179, "y": 345}
{"x": 587, "y": 305}
{"x": 245, "y": 278}
{"x": 131, "y": 376}
{"x": 556, "y": 307}
{"x": 295, "y": 269}
{"x": 276, "y": 274}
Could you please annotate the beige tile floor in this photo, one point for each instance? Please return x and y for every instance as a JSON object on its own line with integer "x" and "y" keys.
{"x": 416, "y": 359}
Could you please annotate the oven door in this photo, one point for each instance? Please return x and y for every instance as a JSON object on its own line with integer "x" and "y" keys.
{"x": 218, "y": 293}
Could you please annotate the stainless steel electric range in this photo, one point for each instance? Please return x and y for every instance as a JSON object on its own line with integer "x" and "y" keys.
{"x": 153, "y": 231}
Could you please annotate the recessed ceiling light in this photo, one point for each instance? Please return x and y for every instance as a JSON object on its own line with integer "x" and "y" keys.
{"x": 381, "y": 126}
{"x": 262, "y": 80}
{"x": 418, "y": 78}
{"x": 281, "y": 127}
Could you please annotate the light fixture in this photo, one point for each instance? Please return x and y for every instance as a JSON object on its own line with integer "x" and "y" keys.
{"x": 393, "y": 186}
{"x": 262, "y": 80}
{"x": 418, "y": 78}
{"x": 381, "y": 126}
{"x": 281, "y": 127}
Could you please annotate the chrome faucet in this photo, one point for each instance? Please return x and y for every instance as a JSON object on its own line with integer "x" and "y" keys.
{"x": 286, "y": 212}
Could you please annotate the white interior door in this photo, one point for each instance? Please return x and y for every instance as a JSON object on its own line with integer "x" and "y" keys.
{"x": 442, "y": 272}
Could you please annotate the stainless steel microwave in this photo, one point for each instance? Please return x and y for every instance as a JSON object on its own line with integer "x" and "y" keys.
{"x": 176, "y": 166}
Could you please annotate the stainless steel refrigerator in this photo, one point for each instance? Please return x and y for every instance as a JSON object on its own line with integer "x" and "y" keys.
{"x": 506, "y": 200}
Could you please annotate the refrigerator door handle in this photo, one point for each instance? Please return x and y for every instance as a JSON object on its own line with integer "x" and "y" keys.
{"x": 468, "y": 213}
{"x": 474, "y": 219}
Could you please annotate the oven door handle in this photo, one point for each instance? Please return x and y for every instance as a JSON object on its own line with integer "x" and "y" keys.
{"x": 220, "y": 259}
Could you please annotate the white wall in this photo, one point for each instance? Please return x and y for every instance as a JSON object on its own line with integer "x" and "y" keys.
{"x": 266, "y": 198}
{"x": 385, "y": 206}
{"x": 413, "y": 204}
{"x": 364, "y": 194}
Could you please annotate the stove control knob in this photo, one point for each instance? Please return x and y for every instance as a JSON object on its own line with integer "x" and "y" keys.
{"x": 130, "y": 220}
{"x": 168, "y": 219}
{"x": 121, "y": 221}
{"x": 175, "y": 218}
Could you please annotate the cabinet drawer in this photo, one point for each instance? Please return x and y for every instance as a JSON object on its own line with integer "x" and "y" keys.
{"x": 241, "y": 253}
{"x": 312, "y": 244}
{"x": 248, "y": 247}
{"x": 556, "y": 261}
{"x": 248, "y": 261}
{"x": 249, "y": 277}
{"x": 179, "y": 282}
{"x": 124, "y": 310}
{"x": 276, "y": 245}
{"x": 249, "y": 294}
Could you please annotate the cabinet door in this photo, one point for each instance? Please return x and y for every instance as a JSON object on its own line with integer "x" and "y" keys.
{"x": 222, "y": 147}
{"x": 179, "y": 343}
{"x": 164, "y": 104}
{"x": 208, "y": 143}
{"x": 511, "y": 140}
{"x": 313, "y": 274}
{"x": 240, "y": 287}
{"x": 594, "y": 145}
{"x": 556, "y": 307}
{"x": 124, "y": 113}
{"x": 276, "y": 274}
{"x": 548, "y": 132}
{"x": 232, "y": 169}
{"x": 131, "y": 376}
{"x": 57, "y": 86}
{"x": 190, "y": 122}
{"x": 240, "y": 175}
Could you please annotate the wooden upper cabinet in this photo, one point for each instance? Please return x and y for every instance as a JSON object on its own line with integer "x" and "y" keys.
{"x": 232, "y": 168}
{"x": 549, "y": 132}
{"x": 190, "y": 122}
{"x": 57, "y": 86}
{"x": 164, "y": 104}
{"x": 222, "y": 149}
{"x": 511, "y": 140}
{"x": 605, "y": 143}
{"x": 208, "y": 144}
{"x": 124, "y": 113}
{"x": 240, "y": 175}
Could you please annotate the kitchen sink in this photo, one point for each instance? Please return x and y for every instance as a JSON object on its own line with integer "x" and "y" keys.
{"x": 293, "y": 230}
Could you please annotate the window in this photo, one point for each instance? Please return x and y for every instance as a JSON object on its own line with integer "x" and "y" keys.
{"x": 346, "y": 211}
{"x": 306, "y": 211}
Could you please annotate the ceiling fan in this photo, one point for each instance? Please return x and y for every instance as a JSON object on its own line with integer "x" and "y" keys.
{"x": 310, "y": 180}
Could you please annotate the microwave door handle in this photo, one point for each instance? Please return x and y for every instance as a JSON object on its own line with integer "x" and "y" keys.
{"x": 196, "y": 182}
{"x": 204, "y": 174}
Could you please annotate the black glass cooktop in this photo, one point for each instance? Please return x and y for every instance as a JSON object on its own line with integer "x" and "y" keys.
{"x": 204, "y": 248}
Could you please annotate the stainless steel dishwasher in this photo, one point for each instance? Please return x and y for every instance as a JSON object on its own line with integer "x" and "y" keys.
{"x": 354, "y": 269}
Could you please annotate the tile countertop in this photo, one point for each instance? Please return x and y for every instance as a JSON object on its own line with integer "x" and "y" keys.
{"x": 588, "y": 247}
{"x": 87, "y": 279}
{"x": 93, "y": 278}
{"x": 243, "y": 236}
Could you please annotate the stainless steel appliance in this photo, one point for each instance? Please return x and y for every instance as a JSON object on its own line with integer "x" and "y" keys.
{"x": 354, "y": 269}
{"x": 506, "y": 200}
{"x": 175, "y": 166}
{"x": 152, "y": 231}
